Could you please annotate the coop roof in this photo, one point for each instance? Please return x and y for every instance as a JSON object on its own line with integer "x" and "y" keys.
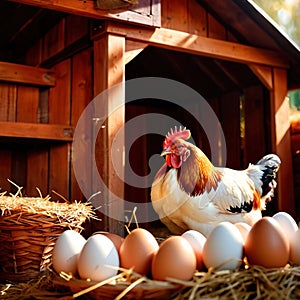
{"x": 255, "y": 27}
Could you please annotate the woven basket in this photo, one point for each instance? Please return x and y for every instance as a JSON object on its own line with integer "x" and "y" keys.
{"x": 29, "y": 228}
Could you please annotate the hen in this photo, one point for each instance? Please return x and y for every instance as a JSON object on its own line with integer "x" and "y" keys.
{"x": 188, "y": 192}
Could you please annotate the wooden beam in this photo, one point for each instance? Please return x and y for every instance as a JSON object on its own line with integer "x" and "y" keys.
{"x": 109, "y": 70}
{"x": 282, "y": 141}
{"x": 88, "y": 9}
{"x": 36, "y": 131}
{"x": 132, "y": 49}
{"x": 264, "y": 74}
{"x": 199, "y": 45}
{"x": 26, "y": 74}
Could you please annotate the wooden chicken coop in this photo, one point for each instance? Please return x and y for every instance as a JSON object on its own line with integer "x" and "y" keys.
{"x": 57, "y": 56}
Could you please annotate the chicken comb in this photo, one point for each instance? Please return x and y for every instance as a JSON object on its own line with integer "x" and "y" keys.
{"x": 175, "y": 134}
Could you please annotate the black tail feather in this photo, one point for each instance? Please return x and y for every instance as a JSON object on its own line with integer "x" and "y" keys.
{"x": 269, "y": 165}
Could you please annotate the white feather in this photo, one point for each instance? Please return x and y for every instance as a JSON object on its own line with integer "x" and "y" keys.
{"x": 179, "y": 211}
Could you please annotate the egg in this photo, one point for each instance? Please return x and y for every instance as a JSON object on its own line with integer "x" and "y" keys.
{"x": 197, "y": 241}
{"x": 267, "y": 244}
{"x": 115, "y": 238}
{"x": 287, "y": 223}
{"x": 98, "y": 259}
{"x": 175, "y": 258}
{"x": 244, "y": 229}
{"x": 66, "y": 250}
{"x": 137, "y": 251}
{"x": 223, "y": 249}
{"x": 295, "y": 247}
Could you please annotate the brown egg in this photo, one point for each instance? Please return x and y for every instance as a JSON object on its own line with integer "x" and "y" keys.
{"x": 115, "y": 238}
{"x": 266, "y": 244}
{"x": 175, "y": 258}
{"x": 137, "y": 251}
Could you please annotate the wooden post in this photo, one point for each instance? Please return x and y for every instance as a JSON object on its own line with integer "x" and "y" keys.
{"x": 282, "y": 140}
{"x": 109, "y": 70}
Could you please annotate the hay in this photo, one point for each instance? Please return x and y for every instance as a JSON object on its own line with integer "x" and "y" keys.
{"x": 29, "y": 227}
{"x": 254, "y": 282}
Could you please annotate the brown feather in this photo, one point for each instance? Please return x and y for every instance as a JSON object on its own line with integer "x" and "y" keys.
{"x": 198, "y": 175}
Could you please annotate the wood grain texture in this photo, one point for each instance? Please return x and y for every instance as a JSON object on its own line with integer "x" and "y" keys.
{"x": 26, "y": 74}
{"x": 27, "y": 104}
{"x": 150, "y": 15}
{"x": 8, "y": 99}
{"x": 282, "y": 141}
{"x": 82, "y": 94}
{"x": 53, "y": 132}
{"x": 109, "y": 70}
{"x": 199, "y": 45}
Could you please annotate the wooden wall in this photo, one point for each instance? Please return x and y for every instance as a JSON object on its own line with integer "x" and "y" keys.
{"x": 243, "y": 108}
{"x": 39, "y": 162}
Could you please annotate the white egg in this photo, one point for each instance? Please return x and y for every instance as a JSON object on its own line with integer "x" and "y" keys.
{"x": 295, "y": 248}
{"x": 66, "y": 250}
{"x": 99, "y": 259}
{"x": 223, "y": 248}
{"x": 287, "y": 223}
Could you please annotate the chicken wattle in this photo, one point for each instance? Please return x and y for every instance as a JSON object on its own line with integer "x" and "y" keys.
{"x": 189, "y": 192}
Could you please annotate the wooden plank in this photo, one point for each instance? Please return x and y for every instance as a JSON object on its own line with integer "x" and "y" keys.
{"x": 76, "y": 28}
{"x": 26, "y": 74}
{"x": 141, "y": 147}
{"x": 27, "y": 104}
{"x": 37, "y": 157}
{"x": 230, "y": 122}
{"x": 197, "y": 19}
{"x": 282, "y": 141}
{"x": 172, "y": 12}
{"x": 60, "y": 113}
{"x": 87, "y": 9}
{"x": 109, "y": 70}
{"x": 199, "y": 45}
{"x": 5, "y": 169}
{"x": 54, "y": 40}
{"x": 36, "y": 131}
{"x": 37, "y": 171}
{"x": 43, "y": 109}
{"x": 59, "y": 171}
{"x": 8, "y": 100}
{"x": 215, "y": 29}
{"x": 34, "y": 55}
{"x": 255, "y": 123}
{"x": 18, "y": 168}
{"x": 82, "y": 94}
{"x": 264, "y": 74}
{"x": 59, "y": 96}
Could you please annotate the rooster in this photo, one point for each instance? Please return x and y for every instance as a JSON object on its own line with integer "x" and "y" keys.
{"x": 188, "y": 192}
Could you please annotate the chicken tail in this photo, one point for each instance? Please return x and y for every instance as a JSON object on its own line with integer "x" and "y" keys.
{"x": 269, "y": 165}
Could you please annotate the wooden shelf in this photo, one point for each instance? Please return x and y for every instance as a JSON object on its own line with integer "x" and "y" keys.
{"x": 55, "y": 132}
{"x": 10, "y": 72}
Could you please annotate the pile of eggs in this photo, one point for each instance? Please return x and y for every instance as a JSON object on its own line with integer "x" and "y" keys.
{"x": 271, "y": 242}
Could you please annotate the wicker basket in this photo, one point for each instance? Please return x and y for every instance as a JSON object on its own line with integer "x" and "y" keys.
{"x": 29, "y": 228}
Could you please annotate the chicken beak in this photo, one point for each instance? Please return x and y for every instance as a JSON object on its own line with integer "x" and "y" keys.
{"x": 165, "y": 152}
